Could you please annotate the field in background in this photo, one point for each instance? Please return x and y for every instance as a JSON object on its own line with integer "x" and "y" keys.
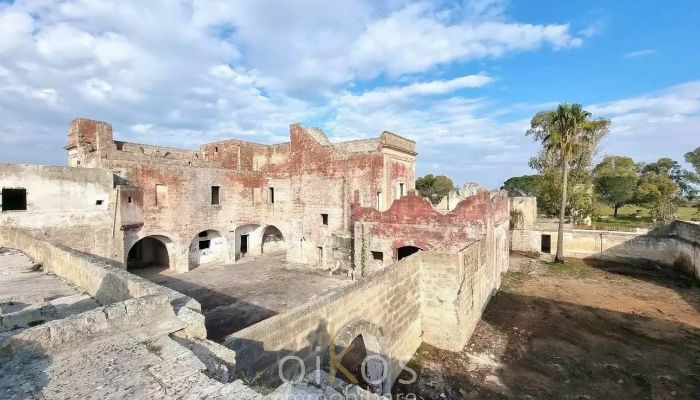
{"x": 627, "y": 216}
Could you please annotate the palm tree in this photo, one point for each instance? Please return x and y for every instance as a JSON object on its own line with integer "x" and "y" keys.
{"x": 567, "y": 133}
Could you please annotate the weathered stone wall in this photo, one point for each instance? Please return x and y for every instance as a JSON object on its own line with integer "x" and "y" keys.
{"x": 310, "y": 177}
{"x": 523, "y": 211}
{"x": 129, "y": 302}
{"x": 430, "y": 296}
{"x": 412, "y": 221}
{"x": 385, "y": 309}
{"x": 72, "y": 206}
{"x": 676, "y": 244}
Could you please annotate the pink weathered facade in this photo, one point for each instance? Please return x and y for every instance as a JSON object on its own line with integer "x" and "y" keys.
{"x": 295, "y": 195}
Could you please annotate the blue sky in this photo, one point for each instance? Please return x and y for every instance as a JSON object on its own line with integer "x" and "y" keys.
{"x": 460, "y": 78}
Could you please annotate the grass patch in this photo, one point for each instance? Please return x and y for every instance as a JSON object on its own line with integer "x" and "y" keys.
{"x": 154, "y": 349}
{"x": 571, "y": 268}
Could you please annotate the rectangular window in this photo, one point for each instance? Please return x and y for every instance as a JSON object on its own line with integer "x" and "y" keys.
{"x": 400, "y": 189}
{"x": 271, "y": 195}
{"x": 204, "y": 244}
{"x": 214, "y": 195}
{"x": 319, "y": 252}
{"x": 377, "y": 256}
{"x": 546, "y": 244}
{"x": 379, "y": 201}
{"x": 14, "y": 199}
{"x": 128, "y": 199}
{"x": 161, "y": 195}
{"x": 98, "y": 202}
{"x": 324, "y": 219}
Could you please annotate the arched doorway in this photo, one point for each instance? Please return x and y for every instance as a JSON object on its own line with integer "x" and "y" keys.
{"x": 368, "y": 367}
{"x": 207, "y": 247}
{"x": 272, "y": 240}
{"x": 405, "y": 251}
{"x": 150, "y": 251}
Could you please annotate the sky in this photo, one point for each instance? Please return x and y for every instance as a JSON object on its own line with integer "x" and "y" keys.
{"x": 462, "y": 79}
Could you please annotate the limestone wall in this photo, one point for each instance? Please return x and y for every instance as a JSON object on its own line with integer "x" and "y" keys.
{"x": 429, "y": 297}
{"x": 73, "y": 206}
{"x": 676, "y": 244}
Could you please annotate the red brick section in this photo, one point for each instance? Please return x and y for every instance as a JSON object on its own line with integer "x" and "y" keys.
{"x": 412, "y": 221}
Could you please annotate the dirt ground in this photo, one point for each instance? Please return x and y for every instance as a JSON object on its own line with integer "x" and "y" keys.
{"x": 574, "y": 331}
{"x": 235, "y": 296}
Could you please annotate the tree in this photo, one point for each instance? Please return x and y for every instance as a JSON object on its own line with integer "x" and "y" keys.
{"x": 660, "y": 193}
{"x": 567, "y": 133}
{"x": 693, "y": 158}
{"x": 434, "y": 187}
{"x": 616, "y": 180}
{"x": 526, "y": 185}
{"x": 672, "y": 169}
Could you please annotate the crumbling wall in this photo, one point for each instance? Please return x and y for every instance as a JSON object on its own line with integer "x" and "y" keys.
{"x": 412, "y": 221}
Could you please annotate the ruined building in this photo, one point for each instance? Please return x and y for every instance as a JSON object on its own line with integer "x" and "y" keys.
{"x": 413, "y": 273}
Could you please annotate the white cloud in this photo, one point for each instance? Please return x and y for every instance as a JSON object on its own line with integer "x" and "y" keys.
{"x": 639, "y": 53}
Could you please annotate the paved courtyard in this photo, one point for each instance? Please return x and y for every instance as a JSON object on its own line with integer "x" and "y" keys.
{"x": 235, "y": 296}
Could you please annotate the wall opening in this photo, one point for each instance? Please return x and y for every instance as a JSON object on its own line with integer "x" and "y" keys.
{"x": 401, "y": 192}
{"x": 244, "y": 244}
{"x": 207, "y": 247}
{"x": 546, "y": 244}
{"x": 319, "y": 256}
{"x": 14, "y": 199}
{"x": 150, "y": 251}
{"x": 379, "y": 201}
{"x": 324, "y": 219}
{"x": 271, "y": 195}
{"x": 405, "y": 251}
{"x": 214, "y": 195}
{"x": 368, "y": 371}
{"x": 377, "y": 256}
{"x": 272, "y": 240}
{"x": 99, "y": 202}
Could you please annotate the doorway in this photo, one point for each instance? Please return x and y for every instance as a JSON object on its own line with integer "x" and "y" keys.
{"x": 546, "y": 244}
{"x": 244, "y": 244}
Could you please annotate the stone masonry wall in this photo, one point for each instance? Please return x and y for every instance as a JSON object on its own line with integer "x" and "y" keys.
{"x": 72, "y": 206}
{"x": 429, "y": 297}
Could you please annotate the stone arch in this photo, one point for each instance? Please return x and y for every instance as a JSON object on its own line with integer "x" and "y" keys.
{"x": 151, "y": 251}
{"x": 208, "y": 246}
{"x": 247, "y": 241}
{"x": 367, "y": 351}
{"x": 272, "y": 240}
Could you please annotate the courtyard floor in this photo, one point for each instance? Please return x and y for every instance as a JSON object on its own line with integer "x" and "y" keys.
{"x": 235, "y": 296}
{"x": 574, "y": 331}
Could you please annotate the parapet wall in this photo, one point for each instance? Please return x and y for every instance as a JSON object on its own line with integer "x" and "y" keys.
{"x": 129, "y": 302}
{"x": 429, "y": 297}
{"x": 676, "y": 244}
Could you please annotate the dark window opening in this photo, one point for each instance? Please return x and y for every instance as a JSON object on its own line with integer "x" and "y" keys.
{"x": 14, "y": 199}
{"x": 216, "y": 149}
{"x": 128, "y": 199}
{"x": 98, "y": 202}
{"x": 204, "y": 244}
{"x": 403, "y": 252}
{"x": 271, "y": 196}
{"x": 319, "y": 251}
{"x": 324, "y": 219}
{"x": 203, "y": 234}
{"x": 378, "y": 256}
{"x": 546, "y": 244}
{"x": 401, "y": 189}
{"x": 214, "y": 195}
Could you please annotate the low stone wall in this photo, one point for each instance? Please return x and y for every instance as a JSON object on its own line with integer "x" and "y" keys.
{"x": 676, "y": 244}
{"x": 129, "y": 302}
{"x": 429, "y": 297}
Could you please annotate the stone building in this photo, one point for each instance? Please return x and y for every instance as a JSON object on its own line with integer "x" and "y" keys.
{"x": 234, "y": 198}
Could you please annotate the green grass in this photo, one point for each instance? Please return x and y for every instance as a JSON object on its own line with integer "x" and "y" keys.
{"x": 626, "y": 216}
{"x": 572, "y": 268}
